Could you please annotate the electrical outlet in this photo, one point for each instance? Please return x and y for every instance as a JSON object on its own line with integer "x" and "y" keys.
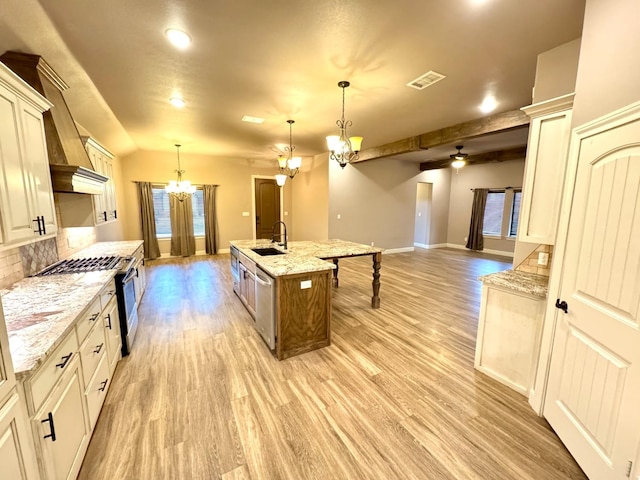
{"x": 339, "y": 216}
{"x": 419, "y": 214}
{"x": 543, "y": 259}
{"x": 372, "y": 244}
{"x": 245, "y": 214}
{"x": 305, "y": 284}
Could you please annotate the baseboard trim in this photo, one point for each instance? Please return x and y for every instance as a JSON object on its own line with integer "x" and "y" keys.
{"x": 397, "y": 250}
{"x": 429, "y": 247}
{"x": 489, "y": 251}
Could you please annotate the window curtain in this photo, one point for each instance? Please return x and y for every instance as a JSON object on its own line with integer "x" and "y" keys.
{"x": 475, "y": 241}
{"x": 210, "y": 219}
{"x": 148, "y": 221}
{"x": 183, "y": 241}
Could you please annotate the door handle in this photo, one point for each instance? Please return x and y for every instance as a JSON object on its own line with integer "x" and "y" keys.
{"x": 562, "y": 305}
{"x": 52, "y": 428}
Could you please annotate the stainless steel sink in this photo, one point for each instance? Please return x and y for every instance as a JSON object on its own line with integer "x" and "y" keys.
{"x": 265, "y": 251}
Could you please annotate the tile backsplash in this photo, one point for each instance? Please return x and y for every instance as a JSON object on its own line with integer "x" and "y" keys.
{"x": 37, "y": 256}
{"x": 20, "y": 262}
{"x": 530, "y": 264}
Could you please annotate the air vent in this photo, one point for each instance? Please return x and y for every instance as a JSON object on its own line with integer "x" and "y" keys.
{"x": 423, "y": 81}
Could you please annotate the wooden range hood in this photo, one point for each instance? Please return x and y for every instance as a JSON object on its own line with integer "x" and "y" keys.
{"x": 71, "y": 169}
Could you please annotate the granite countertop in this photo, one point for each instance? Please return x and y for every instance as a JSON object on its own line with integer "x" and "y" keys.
{"x": 40, "y": 311}
{"x": 105, "y": 249}
{"x": 524, "y": 282}
{"x": 302, "y": 256}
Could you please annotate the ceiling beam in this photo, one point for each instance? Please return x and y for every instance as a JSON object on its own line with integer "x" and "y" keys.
{"x": 499, "y": 122}
{"x": 497, "y": 156}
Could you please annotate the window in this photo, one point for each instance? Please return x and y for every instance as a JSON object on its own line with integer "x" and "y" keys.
{"x": 515, "y": 213}
{"x": 492, "y": 225}
{"x": 162, "y": 212}
{"x": 501, "y": 213}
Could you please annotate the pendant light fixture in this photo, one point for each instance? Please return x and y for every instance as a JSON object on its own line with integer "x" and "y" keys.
{"x": 459, "y": 158}
{"x": 344, "y": 149}
{"x": 288, "y": 166}
{"x": 179, "y": 188}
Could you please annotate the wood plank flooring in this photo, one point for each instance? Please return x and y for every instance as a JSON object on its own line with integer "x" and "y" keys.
{"x": 394, "y": 397}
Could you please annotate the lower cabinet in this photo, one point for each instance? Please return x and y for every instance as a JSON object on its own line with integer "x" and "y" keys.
{"x": 112, "y": 334}
{"x": 61, "y": 432}
{"x": 16, "y": 458}
{"x": 97, "y": 390}
{"x": 509, "y": 329}
{"x": 247, "y": 287}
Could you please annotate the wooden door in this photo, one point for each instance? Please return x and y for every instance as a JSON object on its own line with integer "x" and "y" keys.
{"x": 593, "y": 392}
{"x": 267, "y": 206}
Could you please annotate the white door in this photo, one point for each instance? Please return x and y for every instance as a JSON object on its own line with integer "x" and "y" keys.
{"x": 424, "y": 194}
{"x": 593, "y": 397}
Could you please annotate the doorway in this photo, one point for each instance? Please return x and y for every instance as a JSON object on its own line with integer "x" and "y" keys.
{"x": 424, "y": 195}
{"x": 267, "y": 205}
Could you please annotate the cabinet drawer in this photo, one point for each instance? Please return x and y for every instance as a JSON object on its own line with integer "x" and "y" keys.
{"x": 54, "y": 367}
{"x": 92, "y": 351}
{"x": 86, "y": 323}
{"x": 107, "y": 294}
{"x": 97, "y": 390}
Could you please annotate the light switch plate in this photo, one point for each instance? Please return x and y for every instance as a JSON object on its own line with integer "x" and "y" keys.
{"x": 543, "y": 259}
{"x": 245, "y": 214}
{"x": 305, "y": 284}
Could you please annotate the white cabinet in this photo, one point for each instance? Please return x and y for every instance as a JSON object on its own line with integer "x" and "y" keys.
{"x": 104, "y": 205}
{"x": 247, "y": 287}
{"x": 26, "y": 197}
{"x": 547, "y": 151}
{"x": 140, "y": 280}
{"x": 16, "y": 455}
{"x": 60, "y": 427}
{"x": 16, "y": 460}
{"x": 509, "y": 329}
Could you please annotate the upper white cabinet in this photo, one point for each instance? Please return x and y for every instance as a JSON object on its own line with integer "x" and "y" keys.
{"x": 102, "y": 160}
{"x": 547, "y": 151}
{"x": 26, "y": 197}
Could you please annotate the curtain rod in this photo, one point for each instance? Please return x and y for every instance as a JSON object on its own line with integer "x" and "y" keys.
{"x": 498, "y": 188}
{"x": 166, "y": 183}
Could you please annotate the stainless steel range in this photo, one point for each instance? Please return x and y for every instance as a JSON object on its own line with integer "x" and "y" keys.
{"x": 125, "y": 288}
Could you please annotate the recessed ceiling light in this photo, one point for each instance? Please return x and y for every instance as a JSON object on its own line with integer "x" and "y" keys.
{"x": 178, "y": 38}
{"x": 489, "y": 104}
{"x": 250, "y": 119}
{"x": 177, "y": 102}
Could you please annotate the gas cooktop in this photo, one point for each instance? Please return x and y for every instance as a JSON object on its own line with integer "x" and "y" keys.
{"x": 81, "y": 265}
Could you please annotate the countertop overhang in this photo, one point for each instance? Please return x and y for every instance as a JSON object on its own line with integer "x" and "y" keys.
{"x": 523, "y": 282}
{"x": 301, "y": 256}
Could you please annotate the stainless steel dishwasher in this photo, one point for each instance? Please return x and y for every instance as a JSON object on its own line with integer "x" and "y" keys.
{"x": 266, "y": 307}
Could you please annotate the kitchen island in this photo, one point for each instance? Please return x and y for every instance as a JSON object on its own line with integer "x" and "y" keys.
{"x": 288, "y": 292}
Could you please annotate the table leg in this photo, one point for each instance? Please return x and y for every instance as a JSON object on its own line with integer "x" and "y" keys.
{"x": 334, "y": 280}
{"x": 375, "y": 300}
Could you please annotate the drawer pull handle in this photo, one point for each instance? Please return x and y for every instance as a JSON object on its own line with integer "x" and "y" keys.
{"x": 105, "y": 215}
{"x": 109, "y": 321}
{"x": 52, "y": 428}
{"x": 94, "y": 316}
{"x": 44, "y": 228}
{"x": 98, "y": 348}
{"x": 65, "y": 360}
{"x": 103, "y": 385}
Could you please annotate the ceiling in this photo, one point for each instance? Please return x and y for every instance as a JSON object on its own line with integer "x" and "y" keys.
{"x": 282, "y": 60}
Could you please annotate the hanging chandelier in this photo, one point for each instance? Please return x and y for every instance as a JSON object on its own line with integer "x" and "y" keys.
{"x": 288, "y": 166}
{"x": 179, "y": 188}
{"x": 344, "y": 149}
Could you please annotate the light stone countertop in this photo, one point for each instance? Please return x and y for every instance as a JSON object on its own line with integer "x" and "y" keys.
{"x": 523, "y": 282}
{"x": 302, "y": 256}
{"x": 41, "y": 311}
{"x": 105, "y": 249}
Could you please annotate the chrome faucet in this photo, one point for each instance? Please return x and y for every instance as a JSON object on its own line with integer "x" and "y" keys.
{"x": 273, "y": 234}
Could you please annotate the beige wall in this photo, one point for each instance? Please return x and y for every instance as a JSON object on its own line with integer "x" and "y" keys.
{"x": 233, "y": 195}
{"x": 488, "y": 175}
{"x": 609, "y": 69}
{"x": 556, "y": 72}
{"x": 310, "y": 200}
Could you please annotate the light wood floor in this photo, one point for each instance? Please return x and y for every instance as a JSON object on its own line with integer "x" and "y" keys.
{"x": 394, "y": 397}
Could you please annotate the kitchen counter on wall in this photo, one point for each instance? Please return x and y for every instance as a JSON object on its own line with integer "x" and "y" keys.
{"x": 41, "y": 311}
{"x": 523, "y": 282}
{"x": 106, "y": 249}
